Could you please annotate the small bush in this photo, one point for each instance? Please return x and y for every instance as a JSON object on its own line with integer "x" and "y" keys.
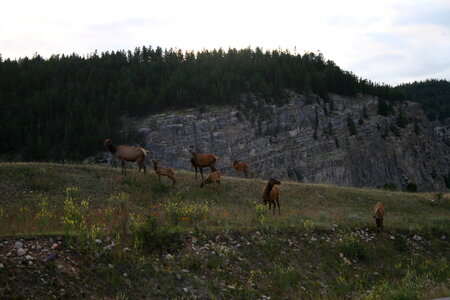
{"x": 355, "y": 248}
{"x": 411, "y": 187}
{"x": 400, "y": 243}
{"x": 286, "y": 278}
{"x": 150, "y": 237}
{"x": 187, "y": 212}
{"x": 390, "y": 186}
{"x": 260, "y": 213}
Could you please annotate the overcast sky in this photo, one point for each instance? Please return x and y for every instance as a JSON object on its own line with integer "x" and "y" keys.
{"x": 386, "y": 41}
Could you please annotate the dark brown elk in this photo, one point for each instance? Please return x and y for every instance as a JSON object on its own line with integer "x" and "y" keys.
{"x": 128, "y": 153}
{"x": 203, "y": 160}
{"x": 163, "y": 171}
{"x": 271, "y": 195}
{"x": 213, "y": 178}
{"x": 240, "y": 166}
{"x": 378, "y": 214}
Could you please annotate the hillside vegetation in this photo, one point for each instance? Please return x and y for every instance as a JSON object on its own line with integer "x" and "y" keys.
{"x": 90, "y": 231}
{"x": 59, "y": 108}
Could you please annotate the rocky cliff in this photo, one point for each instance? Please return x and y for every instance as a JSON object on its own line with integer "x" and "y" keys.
{"x": 341, "y": 141}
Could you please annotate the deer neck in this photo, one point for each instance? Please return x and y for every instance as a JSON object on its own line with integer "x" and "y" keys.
{"x": 112, "y": 149}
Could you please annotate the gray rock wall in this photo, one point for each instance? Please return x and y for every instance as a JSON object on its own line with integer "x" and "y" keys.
{"x": 306, "y": 142}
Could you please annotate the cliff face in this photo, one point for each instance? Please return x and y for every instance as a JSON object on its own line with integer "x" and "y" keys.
{"x": 307, "y": 141}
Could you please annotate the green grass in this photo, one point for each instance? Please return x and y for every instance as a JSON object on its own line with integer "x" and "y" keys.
{"x": 324, "y": 244}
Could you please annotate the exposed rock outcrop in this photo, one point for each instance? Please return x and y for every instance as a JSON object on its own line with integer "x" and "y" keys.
{"x": 343, "y": 141}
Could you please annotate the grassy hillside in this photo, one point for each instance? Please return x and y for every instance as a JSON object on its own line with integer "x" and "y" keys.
{"x": 113, "y": 236}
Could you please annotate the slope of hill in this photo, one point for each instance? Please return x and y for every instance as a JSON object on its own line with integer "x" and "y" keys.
{"x": 83, "y": 231}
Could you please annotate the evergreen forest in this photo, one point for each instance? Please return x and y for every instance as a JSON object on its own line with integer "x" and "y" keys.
{"x": 63, "y": 107}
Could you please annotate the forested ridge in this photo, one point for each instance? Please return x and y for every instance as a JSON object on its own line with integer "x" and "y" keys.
{"x": 63, "y": 107}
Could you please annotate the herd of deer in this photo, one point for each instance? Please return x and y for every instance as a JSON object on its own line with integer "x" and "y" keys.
{"x": 270, "y": 193}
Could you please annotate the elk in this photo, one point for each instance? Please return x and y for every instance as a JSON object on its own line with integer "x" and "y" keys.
{"x": 378, "y": 214}
{"x": 128, "y": 153}
{"x": 271, "y": 195}
{"x": 202, "y": 160}
{"x": 240, "y": 166}
{"x": 162, "y": 171}
{"x": 212, "y": 178}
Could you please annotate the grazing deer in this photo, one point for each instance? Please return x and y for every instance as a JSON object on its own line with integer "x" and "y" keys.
{"x": 271, "y": 195}
{"x": 162, "y": 171}
{"x": 213, "y": 178}
{"x": 128, "y": 153}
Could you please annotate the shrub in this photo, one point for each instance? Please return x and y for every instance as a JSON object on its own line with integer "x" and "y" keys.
{"x": 150, "y": 237}
{"x": 389, "y": 186}
{"x": 260, "y": 213}
{"x": 188, "y": 212}
{"x": 355, "y": 248}
{"x": 411, "y": 187}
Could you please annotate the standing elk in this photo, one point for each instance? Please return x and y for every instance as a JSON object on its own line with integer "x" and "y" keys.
{"x": 163, "y": 171}
{"x": 271, "y": 195}
{"x": 240, "y": 166}
{"x": 203, "y": 160}
{"x": 128, "y": 153}
{"x": 378, "y": 214}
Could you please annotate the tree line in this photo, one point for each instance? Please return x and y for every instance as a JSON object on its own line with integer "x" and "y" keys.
{"x": 63, "y": 107}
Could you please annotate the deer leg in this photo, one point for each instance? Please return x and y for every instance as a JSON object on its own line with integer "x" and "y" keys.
{"x": 123, "y": 167}
{"x": 220, "y": 188}
{"x": 245, "y": 173}
{"x": 201, "y": 172}
{"x": 278, "y": 203}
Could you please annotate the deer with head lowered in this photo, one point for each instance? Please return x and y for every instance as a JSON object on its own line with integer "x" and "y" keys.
{"x": 163, "y": 171}
{"x": 128, "y": 153}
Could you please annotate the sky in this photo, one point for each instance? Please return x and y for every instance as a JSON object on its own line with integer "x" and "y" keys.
{"x": 386, "y": 41}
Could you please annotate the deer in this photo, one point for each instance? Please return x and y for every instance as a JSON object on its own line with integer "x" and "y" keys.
{"x": 213, "y": 178}
{"x": 378, "y": 215}
{"x": 163, "y": 171}
{"x": 203, "y": 160}
{"x": 271, "y": 195}
{"x": 240, "y": 166}
{"x": 128, "y": 153}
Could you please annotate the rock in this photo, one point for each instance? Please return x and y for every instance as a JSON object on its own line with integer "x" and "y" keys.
{"x": 30, "y": 263}
{"x": 1, "y": 266}
{"x": 28, "y": 257}
{"x": 185, "y": 290}
{"x": 18, "y": 245}
{"x": 169, "y": 257}
{"x": 21, "y": 252}
{"x": 110, "y": 266}
{"x": 98, "y": 241}
{"x": 60, "y": 267}
{"x": 417, "y": 238}
{"x": 289, "y": 148}
{"x": 125, "y": 275}
{"x": 126, "y": 250}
